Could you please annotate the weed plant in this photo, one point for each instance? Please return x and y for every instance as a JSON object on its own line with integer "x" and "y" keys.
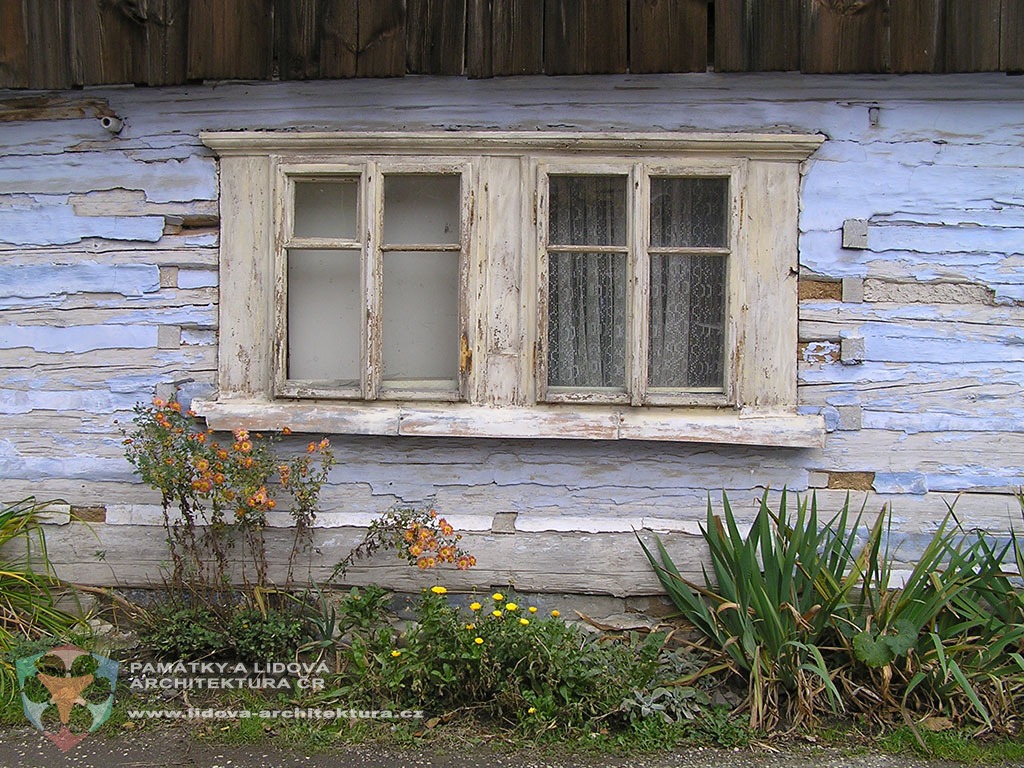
{"x": 502, "y": 660}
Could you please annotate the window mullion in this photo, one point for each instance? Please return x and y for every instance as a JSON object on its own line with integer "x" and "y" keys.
{"x": 372, "y": 272}
{"x": 639, "y": 285}
{"x": 468, "y": 200}
{"x": 541, "y": 343}
{"x": 284, "y": 205}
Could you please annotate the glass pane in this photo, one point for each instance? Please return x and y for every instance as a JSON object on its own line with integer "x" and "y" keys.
{"x": 325, "y": 308}
{"x": 587, "y": 320}
{"x": 421, "y": 209}
{"x": 421, "y": 316}
{"x": 587, "y": 210}
{"x": 689, "y": 213}
{"x": 687, "y": 328}
{"x": 326, "y": 208}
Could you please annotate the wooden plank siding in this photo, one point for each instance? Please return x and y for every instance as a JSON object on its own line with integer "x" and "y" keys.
{"x": 48, "y": 43}
{"x": 752, "y": 36}
{"x": 979, "y": 51}
{"x": 668, "y": 36}
{"x": 585, "y": 38}
{"x": 505, "y": 37}
{"x": 436, "y": 37}
{"x": 1011, "y": 46}
{"x": 838, "y": 36}
{"x": 918, "y": 36}
{"x": 52, "y": 44}
{"x": 230, "y": 39}
{"x": 381, "y": 30}
{"x": 14, "y": 67}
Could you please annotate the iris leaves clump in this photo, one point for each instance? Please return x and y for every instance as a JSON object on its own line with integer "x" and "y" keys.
{"x": 768, "y": 601}
{"x": 814, "y": 617}
{"x": 28, "y": 588}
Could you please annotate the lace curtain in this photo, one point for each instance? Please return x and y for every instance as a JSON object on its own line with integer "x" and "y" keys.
{"x": 687, "y": 300}
{"x": 587, "y": 290}
{"x": 587, "y": 297}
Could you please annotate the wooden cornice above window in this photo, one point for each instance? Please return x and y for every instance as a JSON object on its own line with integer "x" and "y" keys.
{"x": 759, "y": 146}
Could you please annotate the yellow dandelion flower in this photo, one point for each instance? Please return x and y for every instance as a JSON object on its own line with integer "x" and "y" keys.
{"x": 556, "y": 614}
{"x": 531, "y": 711}
{"x": 511, "y": 606}
{"x": 396, "y": 653}
{"x": 439, "y": 590}
{"x": 478, "y": 640}
{"x": 524, "y": 622}
{"x": 533, "y": 609}
{"x": 497, "y": 597}
{"x": 471, "y": 626}
{"x": 496, "y": 614}
{"x": 475, "y": 606}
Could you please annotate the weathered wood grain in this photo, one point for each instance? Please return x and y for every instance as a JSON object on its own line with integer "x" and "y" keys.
{"x": 972, "y": 35}
{"x": 230, "y": 39}
{"x": 14, "y": 65}
{"x": 517, "y": 37}
{"x": 947, "y": 453}
{"x": 339, "y": 43}
{"x": 166, "y": 49}
{"x": 587, "y": 37}
{"x": 668, "y": 36}
{"x": 479, "y": 51}
{"x": 169, "y": 42}
{"x": 297, "y": 28}
{"x": 917, "y": 513}
{"x": 382, "y": 39}
{"x": 316, "y": 38}
{"x": 107, "y": 44}
{"x": 753, "y": 36}
{"x": 844, "y": 36}
{"x": 1011, "y": 26}
{"x": 545, "y": 562}
{"x": 48, "y": 44}
{"x": 435, "y": 37}
{"x": 917, "y": 37}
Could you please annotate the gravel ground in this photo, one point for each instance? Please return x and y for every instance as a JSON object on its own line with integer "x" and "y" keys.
{"x": 175, "y": 748}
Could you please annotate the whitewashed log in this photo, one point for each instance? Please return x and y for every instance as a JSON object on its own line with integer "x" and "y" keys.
{"x": 82, "y": 297}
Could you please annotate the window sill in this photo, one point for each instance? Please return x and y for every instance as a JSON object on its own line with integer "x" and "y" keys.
{"x": 691, "y": 425}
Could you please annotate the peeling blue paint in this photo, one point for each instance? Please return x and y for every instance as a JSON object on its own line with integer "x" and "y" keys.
{"x": 39, "y": 280}
{"x": 900, "y": 482}
{"x": 162, "y": 181}
{"x": 50, "y": 220}
{"x": 96, "y": 401}
{"x": 941, "y": 181}
{"x": 80, "y": 338}
{"x": 197, "y": 278}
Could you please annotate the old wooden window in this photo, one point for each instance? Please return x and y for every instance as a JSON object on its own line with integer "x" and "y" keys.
{"x": 371, "y": 270}
{"x": 634, "y": 285}
{"x": 511, "y": 284}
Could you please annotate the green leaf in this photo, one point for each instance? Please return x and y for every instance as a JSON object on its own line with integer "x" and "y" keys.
{"x": 872, "y": 651}
{"x": 905, "y": 638}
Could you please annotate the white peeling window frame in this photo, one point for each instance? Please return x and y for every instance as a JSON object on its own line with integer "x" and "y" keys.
{"x": 503, "y": 389}
{"x": 637, "y": 253}
{"x": 370, "y": 248}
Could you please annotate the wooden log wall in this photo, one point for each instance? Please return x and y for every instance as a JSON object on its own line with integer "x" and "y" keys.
{"x": 910, "y": 340}
{"x": 48, "y": 44}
